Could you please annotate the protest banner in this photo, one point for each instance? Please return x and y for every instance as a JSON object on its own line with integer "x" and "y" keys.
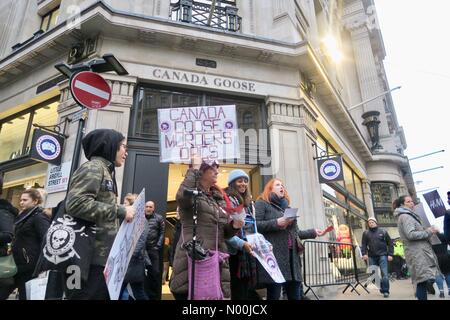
{"x": 263, "y": 253}
{"x": 209, "y": 132}
{"x": 123, "y": 248}
{"x": 420, "y": 211}
{"x": 435, "y": 203}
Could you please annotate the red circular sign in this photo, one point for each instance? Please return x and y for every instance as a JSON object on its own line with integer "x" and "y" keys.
{"x": 90, "y": 90}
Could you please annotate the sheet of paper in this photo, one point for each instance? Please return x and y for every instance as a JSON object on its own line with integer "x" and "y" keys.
{"x": 290, "y": 213}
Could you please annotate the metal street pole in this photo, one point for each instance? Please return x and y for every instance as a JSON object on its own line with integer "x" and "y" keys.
{"x": 441, "y": 167}
{"x": 426, "y": 155}
{"x": 371, "y": 99}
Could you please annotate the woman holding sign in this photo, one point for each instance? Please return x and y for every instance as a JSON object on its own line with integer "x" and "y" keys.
{"x": 211, "y": 229}
{"x": 419, "y": 254}
{"x": 283, "y": 233}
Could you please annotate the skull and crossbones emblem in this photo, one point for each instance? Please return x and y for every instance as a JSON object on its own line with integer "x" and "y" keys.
{"x": 60, "y": 240}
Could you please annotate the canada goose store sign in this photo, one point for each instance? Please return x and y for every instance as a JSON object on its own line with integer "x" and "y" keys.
{"x": 46, "y": 147}
{"x": 330, "y": 169}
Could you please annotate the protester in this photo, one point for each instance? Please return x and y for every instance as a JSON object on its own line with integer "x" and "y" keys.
{"x": 129, "y": 199}
{"x": 155, "y": 241}
{"x": 284, "y": 235}
{"x": 443, "y": 257}
{"x": 31, "y": 226}
{"x": 212, "y": 225}
{"x": 166, "y": 250}
{"x": 242, "y": 263}
{"x": 7, "y": 215}
{"x": 376, "y": 246}
{"x": 420, "y": 258}
{"x": 399, "y": 264}
{"x": 92, "y": 196}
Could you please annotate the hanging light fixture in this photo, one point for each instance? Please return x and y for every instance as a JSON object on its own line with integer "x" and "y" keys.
{"x": 372, "y": 122}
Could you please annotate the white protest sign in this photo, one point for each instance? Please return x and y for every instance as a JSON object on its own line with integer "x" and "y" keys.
{"x": 58, "y": 177}
{"x": 123, "y": 248}
{"x": 264, "y": 254}
{"x": 209, "y": 132}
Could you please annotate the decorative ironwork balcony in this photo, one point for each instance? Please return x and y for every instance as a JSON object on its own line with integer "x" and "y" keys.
{"x": 222, "y": 17}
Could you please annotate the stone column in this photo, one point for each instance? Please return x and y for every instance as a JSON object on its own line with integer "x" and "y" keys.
{"x": 355, "y": 21}
{"x": 115, "y": 116}
{"x": 292, "y": 126}
{"x": 367, "y": 193}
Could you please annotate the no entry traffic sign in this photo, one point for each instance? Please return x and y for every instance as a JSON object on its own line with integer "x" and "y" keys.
{"x": 90, "y": 90}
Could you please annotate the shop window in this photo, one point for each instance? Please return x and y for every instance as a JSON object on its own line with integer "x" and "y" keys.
{"x": 383, "y": 194}
{"x": 358, "y": 188}
{"x": 348, "y": 178}
{"x": 50, "y": 19}
{"x": 145, "y": 114}
{"x": 12, "y": 136}
{"x": 16, "y": 132}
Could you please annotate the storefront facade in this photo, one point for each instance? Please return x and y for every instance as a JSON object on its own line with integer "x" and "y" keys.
{"x": 292, "y": 101}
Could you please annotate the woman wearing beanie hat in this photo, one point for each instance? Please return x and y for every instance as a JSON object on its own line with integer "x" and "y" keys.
{"x": 242, "y": 262}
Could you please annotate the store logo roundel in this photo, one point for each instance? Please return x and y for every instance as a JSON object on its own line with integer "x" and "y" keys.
{"x": 330, "y": 169}
{"x": 48, "y": 147}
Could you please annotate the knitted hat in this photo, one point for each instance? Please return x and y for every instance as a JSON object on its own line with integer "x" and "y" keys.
{"x": 373, "y": 219}
{"x": 236, "y": 174}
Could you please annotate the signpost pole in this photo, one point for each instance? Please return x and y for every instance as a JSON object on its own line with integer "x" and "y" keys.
{"x": 77, "y": 148}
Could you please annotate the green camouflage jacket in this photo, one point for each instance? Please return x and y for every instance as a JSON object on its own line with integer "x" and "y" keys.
{"x": 91, "y": 197}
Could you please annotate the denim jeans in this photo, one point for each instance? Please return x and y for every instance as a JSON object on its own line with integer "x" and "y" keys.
{"x": 292, "y": 289}
{"x": 440, "y": 282}
{"x": 421, "y": 291}
{"x": 382, "y": 262}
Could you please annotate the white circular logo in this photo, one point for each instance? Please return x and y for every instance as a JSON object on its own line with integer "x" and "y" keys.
{"x": 330, "y": 170}
{"x": 48, "y": 147}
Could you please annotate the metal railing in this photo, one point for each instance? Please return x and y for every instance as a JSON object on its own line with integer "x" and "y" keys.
{"x": 330, "y": 264}
{"x": 199, "y": 13}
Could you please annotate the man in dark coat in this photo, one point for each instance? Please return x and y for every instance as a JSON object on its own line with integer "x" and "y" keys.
{"x": 155, "y": 241}
{"x": 377, "y": 247}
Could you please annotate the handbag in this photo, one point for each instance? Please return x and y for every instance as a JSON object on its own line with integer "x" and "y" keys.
{"x": 207, "y": 278}
{"x": 70, "y": 241}
{"x": 8, "y": 268}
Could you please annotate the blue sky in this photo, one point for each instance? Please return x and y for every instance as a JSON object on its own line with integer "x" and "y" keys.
{"x": 417, "y": 45}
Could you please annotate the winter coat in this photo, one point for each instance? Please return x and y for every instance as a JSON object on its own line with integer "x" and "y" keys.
{"x": 210, "y": 217}
{"x": 92, "y": 197}
{"x": 156, "y": 226}
{"x": 175, "y": 239}
{"x": 7, "y": 215}
{"x": 376, "y": 243}
{"x": 420, "y": 258}
{"x": 30, "y": 230}
{"x": 266, "y": 222}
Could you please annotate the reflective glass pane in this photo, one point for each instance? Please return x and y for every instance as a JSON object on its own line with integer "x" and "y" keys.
{"x": 12, "y": 136}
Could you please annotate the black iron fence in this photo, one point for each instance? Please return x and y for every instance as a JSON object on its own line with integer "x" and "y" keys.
{"x": 331, "y": 264}
{"x": 217, "y": 16}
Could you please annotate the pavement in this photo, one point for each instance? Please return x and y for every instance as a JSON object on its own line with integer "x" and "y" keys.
{"x": 399, "y": 290}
